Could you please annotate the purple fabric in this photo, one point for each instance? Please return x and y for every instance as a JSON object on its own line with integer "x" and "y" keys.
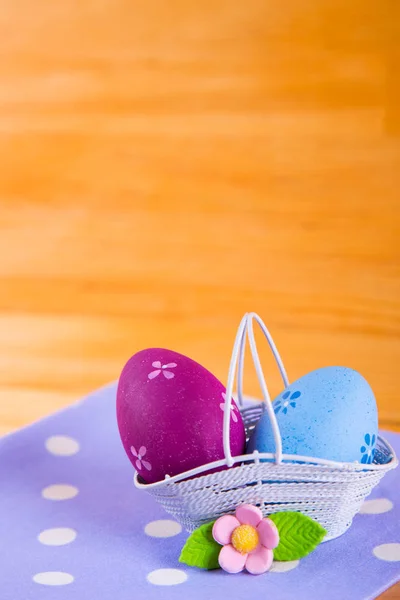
{"x": 111, "y": 556}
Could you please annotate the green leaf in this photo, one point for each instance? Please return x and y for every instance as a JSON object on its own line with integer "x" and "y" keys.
{"x": 201, "y": 550}
{"x": 298, "y": 535}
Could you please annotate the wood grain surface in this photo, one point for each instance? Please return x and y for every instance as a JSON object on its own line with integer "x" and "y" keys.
{"x": 167, "y": 166}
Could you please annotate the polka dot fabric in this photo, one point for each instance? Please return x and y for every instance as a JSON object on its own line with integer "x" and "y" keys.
{"x": 74, "y": 526}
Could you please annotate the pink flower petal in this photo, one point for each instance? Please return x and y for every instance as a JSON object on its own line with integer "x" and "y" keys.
{"x": 169, "y": 366}
{"x": 268, "y": 532}
{"x": 224, "y": 396}
{"x": 248, "y": 514}
{"x": 142, "y": 450}
{"x": 138, "y": 465}
{"x": 231, "y": 560}
{"x": 168, "y": 375}
{"x": 146, "y": 464}
{"x": 134, "y": 451}
{"x": 156, "y": 364}
{"x": 234, "y": 417}
{"x": 259, "y": 561}
{"x": 223, "y": 529}
{"x": 154, "y": 374}
{"x": 222, "y": 406}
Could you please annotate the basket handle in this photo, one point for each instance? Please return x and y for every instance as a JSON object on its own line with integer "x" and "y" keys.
{"x": 238, "y": 350}
{"x": 261, "y": 378}
{"x": 237, "y": 360}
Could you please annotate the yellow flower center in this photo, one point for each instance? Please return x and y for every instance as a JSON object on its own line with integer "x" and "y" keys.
{"x": 245, "y": 539}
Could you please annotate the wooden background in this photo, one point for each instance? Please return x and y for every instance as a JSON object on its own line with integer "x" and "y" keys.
{"x": 167, "y": 166}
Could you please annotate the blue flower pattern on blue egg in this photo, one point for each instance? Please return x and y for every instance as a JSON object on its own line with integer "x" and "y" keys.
{"x": 286, "y": 401}
{"x": 368, "y": 450}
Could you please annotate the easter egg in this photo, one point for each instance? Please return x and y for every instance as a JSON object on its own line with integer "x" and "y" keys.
{"x": 329, "y": 413}
{"x": 170, "y": 413}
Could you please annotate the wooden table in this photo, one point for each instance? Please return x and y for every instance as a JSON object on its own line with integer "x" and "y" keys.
{"x": 167, "y": 166}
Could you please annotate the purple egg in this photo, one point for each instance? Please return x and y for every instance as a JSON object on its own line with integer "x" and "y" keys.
{"x": 170, "y": 414}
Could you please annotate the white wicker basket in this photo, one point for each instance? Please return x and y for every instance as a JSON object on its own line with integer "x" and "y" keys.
{"x": 329, "y": 492}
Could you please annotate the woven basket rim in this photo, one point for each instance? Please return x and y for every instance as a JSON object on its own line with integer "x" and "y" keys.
{"x": 287, "y": 459}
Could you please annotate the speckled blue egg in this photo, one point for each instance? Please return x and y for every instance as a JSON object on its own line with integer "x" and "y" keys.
{"x": 329, "y": 413}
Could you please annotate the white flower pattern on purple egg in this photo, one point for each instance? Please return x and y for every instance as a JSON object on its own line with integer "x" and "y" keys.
{"x": 233, "y": 408}
{"x": 159, "y": 368}
{"x": 139, "y": 455}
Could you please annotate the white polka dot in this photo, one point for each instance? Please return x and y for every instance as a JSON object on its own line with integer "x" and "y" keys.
{"x": 163, "y": 528}
{"x": 60, "y": 491}
{"x": 53, "y": 578}
{"x": 376, "y": 507}
{"x": 388, "y": 552}
{"x": 59, "y": 536}
{"x": 62, "y": 445}
{"x": 167, "y": 577}
{"x": 282, "y": 567}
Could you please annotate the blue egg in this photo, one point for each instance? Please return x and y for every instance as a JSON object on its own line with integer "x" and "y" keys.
{"x": 329, "y": 413}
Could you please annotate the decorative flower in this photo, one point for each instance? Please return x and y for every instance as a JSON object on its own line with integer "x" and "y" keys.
{"x": 139, "y": 455}
{"x": 286, "y": 401}
{"x": 297, "y": 534}
{"x": 368, "y": 451}
{"x": 161, "y": 369}
{"x": 248, "y": 540}
{"x": 233, "y": 408}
